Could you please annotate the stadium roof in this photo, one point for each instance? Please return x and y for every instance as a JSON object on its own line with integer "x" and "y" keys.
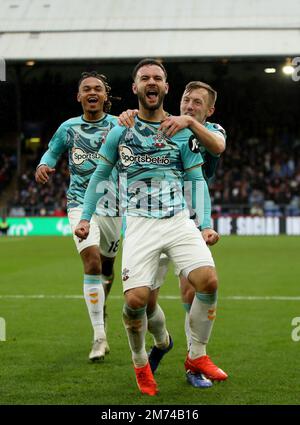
{"x": 93, "y": 29}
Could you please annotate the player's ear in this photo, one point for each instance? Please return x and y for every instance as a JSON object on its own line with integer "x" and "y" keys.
{"x": 78, "y": 97}
{"x": 134, "y": 88}
{"x": 167, "y": 88}
{"x": 210, "y": 111}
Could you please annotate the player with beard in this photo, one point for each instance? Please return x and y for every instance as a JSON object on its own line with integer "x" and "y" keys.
{"x": 155, "y": 166}
{"x": 197, "y": 104}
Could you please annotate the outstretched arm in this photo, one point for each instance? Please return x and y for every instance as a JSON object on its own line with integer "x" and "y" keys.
{"x": 201, "y": 204}
{"x": 57, "y": 146}
{"x": 210, "y": 236}
{"x": 96, "y": 187}
{"x": 92, "y": 196}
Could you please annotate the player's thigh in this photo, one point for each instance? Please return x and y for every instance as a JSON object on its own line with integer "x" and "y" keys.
{"x": 93, "y": 239}
{"x": 162, "y": 271}
{"x": 110, "y": 230}
{"x": 188, "y": 249}
{"x": 141, "y": 251}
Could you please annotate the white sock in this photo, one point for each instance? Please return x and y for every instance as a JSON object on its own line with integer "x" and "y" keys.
{"x": 135, "y": 322}
{"x": 187, "y": 329}
{"x": 94, "y": 298}
{"x": 202, "y": 316}
{"x": 157, "y": 328}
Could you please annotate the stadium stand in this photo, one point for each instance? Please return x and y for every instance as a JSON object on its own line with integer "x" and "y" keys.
{"x": 265, "y": 182}
{"x": 31, "y": 199}
{"x": 7, "y": 166}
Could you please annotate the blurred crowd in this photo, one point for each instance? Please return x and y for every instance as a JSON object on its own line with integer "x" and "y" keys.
{"x": 8, "y": 164}
{"x": 258, "y": 176}
{"x": 32, "y": 199}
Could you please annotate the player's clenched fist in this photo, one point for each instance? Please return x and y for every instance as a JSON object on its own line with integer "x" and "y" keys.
{"x": 210, "y": 236}
{"x": 82, "y": 229}
{"x": 42, "y": 173}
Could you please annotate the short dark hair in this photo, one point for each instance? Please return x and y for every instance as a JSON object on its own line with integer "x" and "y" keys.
{"x": 148, "y": 61}
{"x": 103, "y": 78}
{"x": 193, "y": 85}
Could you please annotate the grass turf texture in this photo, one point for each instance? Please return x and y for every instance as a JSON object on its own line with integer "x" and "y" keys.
{"x": 45, "y": 357}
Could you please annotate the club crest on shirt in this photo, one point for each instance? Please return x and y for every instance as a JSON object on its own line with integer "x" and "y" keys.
{"x": 76, "y": 137}
{"x": 159, "y": 139}
{"x": 125, "y": 275}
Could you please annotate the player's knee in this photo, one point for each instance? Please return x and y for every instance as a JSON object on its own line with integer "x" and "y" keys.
{"x": 92, "y": 265}
{"x": 210, "y": 283}
{"x": 188, "y": 296}
{"x": 204, "y": 280}
{"x": 136, "y": 299}
{"x": 135, "y": 303}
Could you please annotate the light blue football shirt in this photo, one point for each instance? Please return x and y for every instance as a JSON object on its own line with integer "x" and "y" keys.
{"x": 151, "y": 169}
{"x": 82, "y": 139}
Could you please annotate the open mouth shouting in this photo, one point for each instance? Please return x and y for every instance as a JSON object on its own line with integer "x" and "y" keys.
{"x": 92, "y": 100}
{"x": 152, "y": 95}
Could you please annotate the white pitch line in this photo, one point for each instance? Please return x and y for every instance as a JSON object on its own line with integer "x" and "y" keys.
{"x": 163, "y": 297}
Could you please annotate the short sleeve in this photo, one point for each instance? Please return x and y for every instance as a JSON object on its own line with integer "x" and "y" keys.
{"x": 191, "y": 157}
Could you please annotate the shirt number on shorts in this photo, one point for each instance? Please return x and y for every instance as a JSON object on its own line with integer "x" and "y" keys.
{"x": 114, "y": 245}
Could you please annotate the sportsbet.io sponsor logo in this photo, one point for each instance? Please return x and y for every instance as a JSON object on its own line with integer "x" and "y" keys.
{"x": 128, "y": 158}
{"x": 79, "y": 156}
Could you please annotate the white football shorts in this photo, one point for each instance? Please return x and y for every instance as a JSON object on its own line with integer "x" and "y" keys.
{"x": 104, "y": 232}
{"x": 147, "y": 238}
{"x": 162, "y": 271}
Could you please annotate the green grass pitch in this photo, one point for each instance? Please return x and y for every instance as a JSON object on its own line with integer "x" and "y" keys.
{"x": 48, "y": 338}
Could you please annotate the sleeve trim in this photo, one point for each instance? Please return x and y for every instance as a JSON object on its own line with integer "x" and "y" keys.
{"x": 194, "y": 166}
{"x": 106, "y": 160}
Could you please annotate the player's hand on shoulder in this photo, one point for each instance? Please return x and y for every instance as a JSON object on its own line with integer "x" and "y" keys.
{"x": 42, "y": 173}
{"x": 82, "y": 229}
{"x": 171, "y": 125}
{"x": 126, "y": 118}
{"x": 210, "y": 236}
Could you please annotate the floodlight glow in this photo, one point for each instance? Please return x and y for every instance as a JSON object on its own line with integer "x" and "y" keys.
{"x": 288, "y": 69}
{"x": 270, "y": 70}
